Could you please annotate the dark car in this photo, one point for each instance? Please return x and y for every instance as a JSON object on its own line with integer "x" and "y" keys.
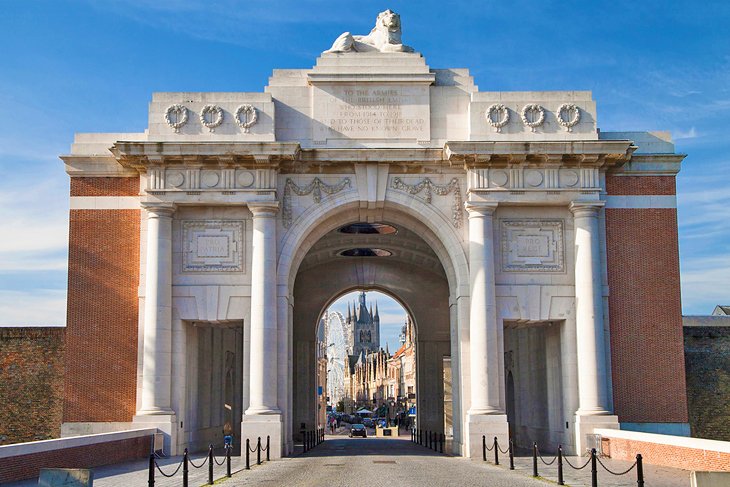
{"x": 358, "y": 430}
{"x": 368, "y": 422}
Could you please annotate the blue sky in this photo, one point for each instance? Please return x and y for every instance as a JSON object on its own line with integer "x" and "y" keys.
{"x": 91, "y": 66}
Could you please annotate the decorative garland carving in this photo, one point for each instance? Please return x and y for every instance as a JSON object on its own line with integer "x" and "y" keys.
{"x": 316, "y": 187}
{"x": 573, "y": 121}
{"x": 181, "y": 116}
{"x": 537, "y": 118}
{"x": 217, "y": 116}
{"x": 503, "y": 116}
{"x": 247, "y": 111}
{"x": 457, "y": 209}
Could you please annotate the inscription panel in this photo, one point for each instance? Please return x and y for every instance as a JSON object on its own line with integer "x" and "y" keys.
{"x": 213, "y": 245}
{"x": 532, "y": 246}
{"x": 378, "y": 112}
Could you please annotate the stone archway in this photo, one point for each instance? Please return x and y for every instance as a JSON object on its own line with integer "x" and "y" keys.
{"x": 415, "y": 275}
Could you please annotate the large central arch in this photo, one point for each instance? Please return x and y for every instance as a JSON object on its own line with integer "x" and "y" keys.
{"x": 432, "y": 286}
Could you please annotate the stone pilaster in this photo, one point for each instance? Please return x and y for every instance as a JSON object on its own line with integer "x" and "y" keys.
{"x": 263, "y": 416}
{"x": 156, "y": 405}
{"x": 486, "y": 413}
{"x": 593, "y": 401}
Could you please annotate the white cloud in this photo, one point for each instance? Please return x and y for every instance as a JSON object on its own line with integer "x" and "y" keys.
{"x": 38, "y": 307}
{"x": 688, "y": 134}
{"x": 705, "y": 283}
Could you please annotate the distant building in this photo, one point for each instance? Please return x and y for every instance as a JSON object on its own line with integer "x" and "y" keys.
{"x": 721, "y": 310}
{"x": 365, "y": 326}
{"x": 374, "y": 378}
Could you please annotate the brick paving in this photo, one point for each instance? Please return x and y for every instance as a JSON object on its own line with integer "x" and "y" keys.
{"x": 375, "y": 462}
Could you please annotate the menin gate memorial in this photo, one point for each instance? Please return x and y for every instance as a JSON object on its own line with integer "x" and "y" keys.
{"x": 531, "y": 250}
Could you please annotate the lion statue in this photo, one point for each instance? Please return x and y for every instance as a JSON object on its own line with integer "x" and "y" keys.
{"x": 385, "y": 37}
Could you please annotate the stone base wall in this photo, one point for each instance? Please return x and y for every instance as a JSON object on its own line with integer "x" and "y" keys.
{"x": 669, "y": 451}
{"x": 707, "y": 365}
{"x": 645, "y": 313}
{"x": 94, "y": 454}
{"x": 31, "y": 383}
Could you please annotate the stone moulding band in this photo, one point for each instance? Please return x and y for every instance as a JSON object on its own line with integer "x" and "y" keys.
{"x": 316, "y": 187}
{"x": 457, "y": 211}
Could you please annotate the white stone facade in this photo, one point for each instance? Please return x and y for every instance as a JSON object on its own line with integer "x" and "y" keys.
{"x": 500, "y": 256}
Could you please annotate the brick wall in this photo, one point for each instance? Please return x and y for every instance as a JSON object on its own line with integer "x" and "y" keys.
{"x": 644, "y": 305}
{"x": 101, "y": 336}
{"x": 707, "y": 365}
{"x": 28, "y": 466}
{"x": 105, "y": 186}
{"x": 667, "y": 455}
{"x": 31, "y": 383}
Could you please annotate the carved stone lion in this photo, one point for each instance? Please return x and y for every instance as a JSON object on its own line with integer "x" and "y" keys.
{"x": 385, "y": 37}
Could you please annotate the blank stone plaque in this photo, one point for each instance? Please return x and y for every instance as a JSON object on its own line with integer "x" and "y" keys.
{"x": 213, "y": 246}
{"x": 532, "y": 246}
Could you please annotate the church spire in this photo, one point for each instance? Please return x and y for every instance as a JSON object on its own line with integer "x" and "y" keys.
{"x": 349, "y": 316}
{"x": 376, "y": 317}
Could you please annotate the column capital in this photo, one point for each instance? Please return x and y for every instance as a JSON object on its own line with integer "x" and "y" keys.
{"x": 586, "y": 208}
{"x": 159, "y": 208}
{"x": 481, "y": 208}
{"x": 264, "y": 209}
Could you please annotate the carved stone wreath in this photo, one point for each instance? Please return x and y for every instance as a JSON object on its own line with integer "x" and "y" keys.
{"x": 216, "y": 114}
{"x": 573, "y": 121}
{"x": 250, "y": 116}
{"x": 457, "y": 209}
{"x": 181, "y": 116}
{"x": 317, "y": 187}
{"x": 533, "y": 116}
{"x": 503, "y": 114}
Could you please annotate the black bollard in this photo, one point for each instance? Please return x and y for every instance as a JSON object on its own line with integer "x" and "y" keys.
{"x": 185, "y": 468}
{"x": 430, "y": 438}
{"x": 228, "y": 461}
{"x": 484, "y": 448}
{"x": 258, "y": 451}
{"x": 511, "y": 455}
{"x": 594, "y": 469}
{"x": 268, "y": 444}
{"x": 496, "y": 451}
{"x": 210, "y": 465}
{"x": 639, "y": 470}
{"x": 248, "y": 453}
{"x": 151, "y": 480}
{"x": 560, "y": 465}
{"x": 534, "y": 460}
{"x": 411, "y": 436}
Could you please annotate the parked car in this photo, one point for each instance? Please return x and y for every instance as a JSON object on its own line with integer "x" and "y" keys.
{"x": 368, "y": 422}
{"x": 358, "y": 430}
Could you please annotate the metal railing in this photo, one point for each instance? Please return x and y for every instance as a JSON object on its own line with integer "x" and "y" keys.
{"x": 430, "y": 439}
{"x": 313, "y": 438}
{"x": 594, "y": 460}
{"x": 210, "y": 460}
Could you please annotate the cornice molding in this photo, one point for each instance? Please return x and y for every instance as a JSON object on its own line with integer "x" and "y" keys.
{"x": 140, "y": 155}
{"x": 582, "y": 152}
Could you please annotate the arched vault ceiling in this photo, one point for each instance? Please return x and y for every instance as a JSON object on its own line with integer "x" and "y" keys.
{"x": 406, "y": 246}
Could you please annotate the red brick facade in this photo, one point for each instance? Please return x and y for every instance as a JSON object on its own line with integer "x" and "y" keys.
{"x": 28, "y": 466}
{"x": 666, "y": 455}
{"x": 31, "y": 383}
{"x": 101, "y": 338}
{"x": 105, "y": 186}
{"x": 640, "y": 185}
{"x": 645, "y": 311}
